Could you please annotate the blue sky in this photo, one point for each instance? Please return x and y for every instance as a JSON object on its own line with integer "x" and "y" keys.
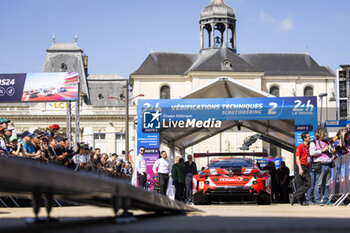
{"x": 118, "y": 35}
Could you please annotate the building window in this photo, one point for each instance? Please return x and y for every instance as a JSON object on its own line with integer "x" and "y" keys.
{"x": 120, "y": 144}
{"x": 308, "y": 91}
{"x": 165, "y": 92}
{"x": 100, "y": 141}
{"x": 275, "y": 91}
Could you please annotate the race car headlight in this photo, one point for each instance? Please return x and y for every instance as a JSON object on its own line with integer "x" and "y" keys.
{"x": 255, "y": 182}
{"x": 206, "y": 182}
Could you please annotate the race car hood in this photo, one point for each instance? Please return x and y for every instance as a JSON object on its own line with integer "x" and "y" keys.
{"x": 230, "y": 172}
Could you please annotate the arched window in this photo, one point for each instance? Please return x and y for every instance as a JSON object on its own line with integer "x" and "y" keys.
{"x": 308, "y": 91}
{"x": 165, "y": 92}
{"x": 275, "y": 91}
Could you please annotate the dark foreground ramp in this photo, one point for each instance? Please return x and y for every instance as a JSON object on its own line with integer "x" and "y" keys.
{"x": 32, "y": 178}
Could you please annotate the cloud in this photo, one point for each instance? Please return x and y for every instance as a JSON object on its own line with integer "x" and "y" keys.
{"x": 283, "y": 25}
{"x": 287, "y": 24}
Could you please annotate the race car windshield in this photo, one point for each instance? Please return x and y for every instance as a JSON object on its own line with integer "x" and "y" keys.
{"x": 236, "y": 163}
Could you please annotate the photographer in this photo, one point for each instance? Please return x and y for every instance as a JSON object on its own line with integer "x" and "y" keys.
{"x": 44, "y": 148}
{"x": 341, "y": 142}
{"x": 323, "y": 155}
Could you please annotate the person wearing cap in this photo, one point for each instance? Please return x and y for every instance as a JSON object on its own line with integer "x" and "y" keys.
{"x": 15, "y": 147}
{"x": 52, "y": 130}
{"x": 4, "y": 124}
{"x": 36, "y": 139}
{"x": 28, "y": 147}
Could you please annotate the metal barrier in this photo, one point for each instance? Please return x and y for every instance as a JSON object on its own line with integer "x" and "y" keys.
{"x": 340, "y": 181}
{"x": 30, "y": 178}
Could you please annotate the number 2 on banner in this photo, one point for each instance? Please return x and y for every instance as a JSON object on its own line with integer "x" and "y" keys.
{"x": 272, "y": 109}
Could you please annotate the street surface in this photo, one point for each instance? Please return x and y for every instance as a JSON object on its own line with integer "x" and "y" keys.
{"x": 213, "y": 218}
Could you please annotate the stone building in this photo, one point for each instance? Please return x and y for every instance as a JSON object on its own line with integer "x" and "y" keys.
{"x": 165, "y": 75}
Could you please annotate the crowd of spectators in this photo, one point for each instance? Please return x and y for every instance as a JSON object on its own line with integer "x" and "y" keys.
{"x": 46, "y": 146}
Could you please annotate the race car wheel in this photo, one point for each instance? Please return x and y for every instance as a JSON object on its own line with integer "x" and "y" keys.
{"x": 199, "y": 198}
{"x": 264, "y": 198}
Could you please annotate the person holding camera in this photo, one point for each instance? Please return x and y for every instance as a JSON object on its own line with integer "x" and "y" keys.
{"x": 323, "y": 155}
{"x": 341, "y": 142}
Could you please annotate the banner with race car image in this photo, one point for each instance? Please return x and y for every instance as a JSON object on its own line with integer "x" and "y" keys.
{"x": 39, "y": 87}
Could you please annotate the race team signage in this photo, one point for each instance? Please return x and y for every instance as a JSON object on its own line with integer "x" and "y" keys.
{"x": 39, "y": 87}
{"x": 154, "y": 115}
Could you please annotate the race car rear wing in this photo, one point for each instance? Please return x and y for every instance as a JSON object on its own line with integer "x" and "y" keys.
{"x": 254, "y": 154}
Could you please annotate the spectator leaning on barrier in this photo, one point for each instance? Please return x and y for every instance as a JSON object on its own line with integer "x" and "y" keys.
{"x": 7, "y": 135}
{"x": 28, "y": 148}
{"x": 302, "y": 175}
{"x": 140, "y": 167}
{"x": 15, "y": 147}
{"x": 44, "y": 147}
{"x": 190, "y": 170}
{"x": 323, "y": 155}
{"x": 97, "y": 156}
{"x": 162, "y": 168}
{"x": 4, "y": 150}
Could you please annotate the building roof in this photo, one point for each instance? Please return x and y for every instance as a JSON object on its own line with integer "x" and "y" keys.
{"x": 276, "y": 64}
{"x": 225, "y": 60}
{"x": 104, "y": 77}
{"x": 214, "y": 60}
{"x": 158, "y": 63}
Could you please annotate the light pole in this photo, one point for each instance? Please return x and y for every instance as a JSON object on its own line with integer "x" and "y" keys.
{"x": 321, "y": 95}
{"x": 126, "y": 100}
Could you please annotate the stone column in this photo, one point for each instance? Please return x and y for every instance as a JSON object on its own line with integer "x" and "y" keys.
{"x": 202, "y": 39}
{"x": 212, "y": 36}
{"x": 226, "y": 35}
{"x": 234, "y": 36}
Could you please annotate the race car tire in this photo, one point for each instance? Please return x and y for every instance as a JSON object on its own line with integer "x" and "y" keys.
{"x": 199, "y": 199}
{"x": 264, "y": 198}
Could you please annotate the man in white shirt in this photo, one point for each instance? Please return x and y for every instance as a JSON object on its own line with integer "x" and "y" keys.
{"x": 140, "y": 167}
{"x": 162, "y": 168}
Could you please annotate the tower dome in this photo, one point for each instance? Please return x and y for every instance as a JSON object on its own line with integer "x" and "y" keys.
{"x": 218, "y": 26}
{"x": 217, "y": 8}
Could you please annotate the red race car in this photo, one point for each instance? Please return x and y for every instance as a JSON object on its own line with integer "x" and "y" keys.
{"x": 231, "y": 179}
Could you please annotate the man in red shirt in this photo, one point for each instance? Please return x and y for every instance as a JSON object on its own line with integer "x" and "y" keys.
{"x": 302, "y": 174}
